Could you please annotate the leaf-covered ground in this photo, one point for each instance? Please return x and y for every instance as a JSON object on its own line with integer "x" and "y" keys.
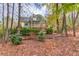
{"x": 57, "y": 45}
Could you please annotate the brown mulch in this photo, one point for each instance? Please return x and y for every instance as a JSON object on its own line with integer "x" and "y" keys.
{"x": 55, "y": 46}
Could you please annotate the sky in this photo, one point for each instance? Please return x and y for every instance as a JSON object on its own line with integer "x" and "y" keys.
{"x": 27, "y": 10}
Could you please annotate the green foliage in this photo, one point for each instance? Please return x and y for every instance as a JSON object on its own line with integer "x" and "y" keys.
{"x": 41, "y": 36}
{"x": 1, "y": 31}
{"x": 15, "y": 39}
{"x": 56, "y": 13}
{"x": 34, "y": 30}
{"x": 68, "y": 7}
{"x": 49, "y": 30}
{"x": 25, "y": 31}
{"x": 13, "y": 31}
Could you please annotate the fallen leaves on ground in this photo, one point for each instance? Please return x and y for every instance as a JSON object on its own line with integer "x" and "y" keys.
{"x": 56, "y": 46}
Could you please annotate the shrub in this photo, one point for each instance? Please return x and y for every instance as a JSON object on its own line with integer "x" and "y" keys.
{"x": 2, "y": 31}
{"x": 41, "y": 36}
{"x": 15, "y": 39}
{"x": 1, "y": 34}
{"x": 13, "y": 31}
{"x": 35, "y": 30}
{"x": 49, "y": 30}
{"x": 25, "y": 31}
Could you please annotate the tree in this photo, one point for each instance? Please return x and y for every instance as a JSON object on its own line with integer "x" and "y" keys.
{"x": 12, "y": 16}
{"x": 64, "y": 23}
{"x": 19, "y": 15}
{"x": 66, "y": 8}
{"x": 3, "y": 20}
{"x": 57, "y": 21}
{"x": 7, "y": 34}
{"x": 72, "y": 8}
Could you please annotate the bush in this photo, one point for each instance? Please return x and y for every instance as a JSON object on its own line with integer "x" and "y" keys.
{"x": 49, "y": 30}
{"x": 1, "y": 34}
{"x": 15, "y": 39}
{"x": 41, "y": 36}
{"x": 35, "y": 30}
{"x": 2, "y": 31}
{"x": 13, "y": 31}
{"x": 25, "y": 31}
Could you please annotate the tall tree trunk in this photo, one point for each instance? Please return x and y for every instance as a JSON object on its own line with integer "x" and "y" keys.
{"x": 12, "y": 16}
{"x": 3, "y": 21}
{"x": 19, "y": 15}
{"x": 57, "y": 21}
{"x": 64, "y": 26}
{"x": 73, "y": 23}
{"x": 7, "y": 34}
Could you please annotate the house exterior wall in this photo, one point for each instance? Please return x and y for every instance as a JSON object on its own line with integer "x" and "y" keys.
{"x": 22, "y": 24}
